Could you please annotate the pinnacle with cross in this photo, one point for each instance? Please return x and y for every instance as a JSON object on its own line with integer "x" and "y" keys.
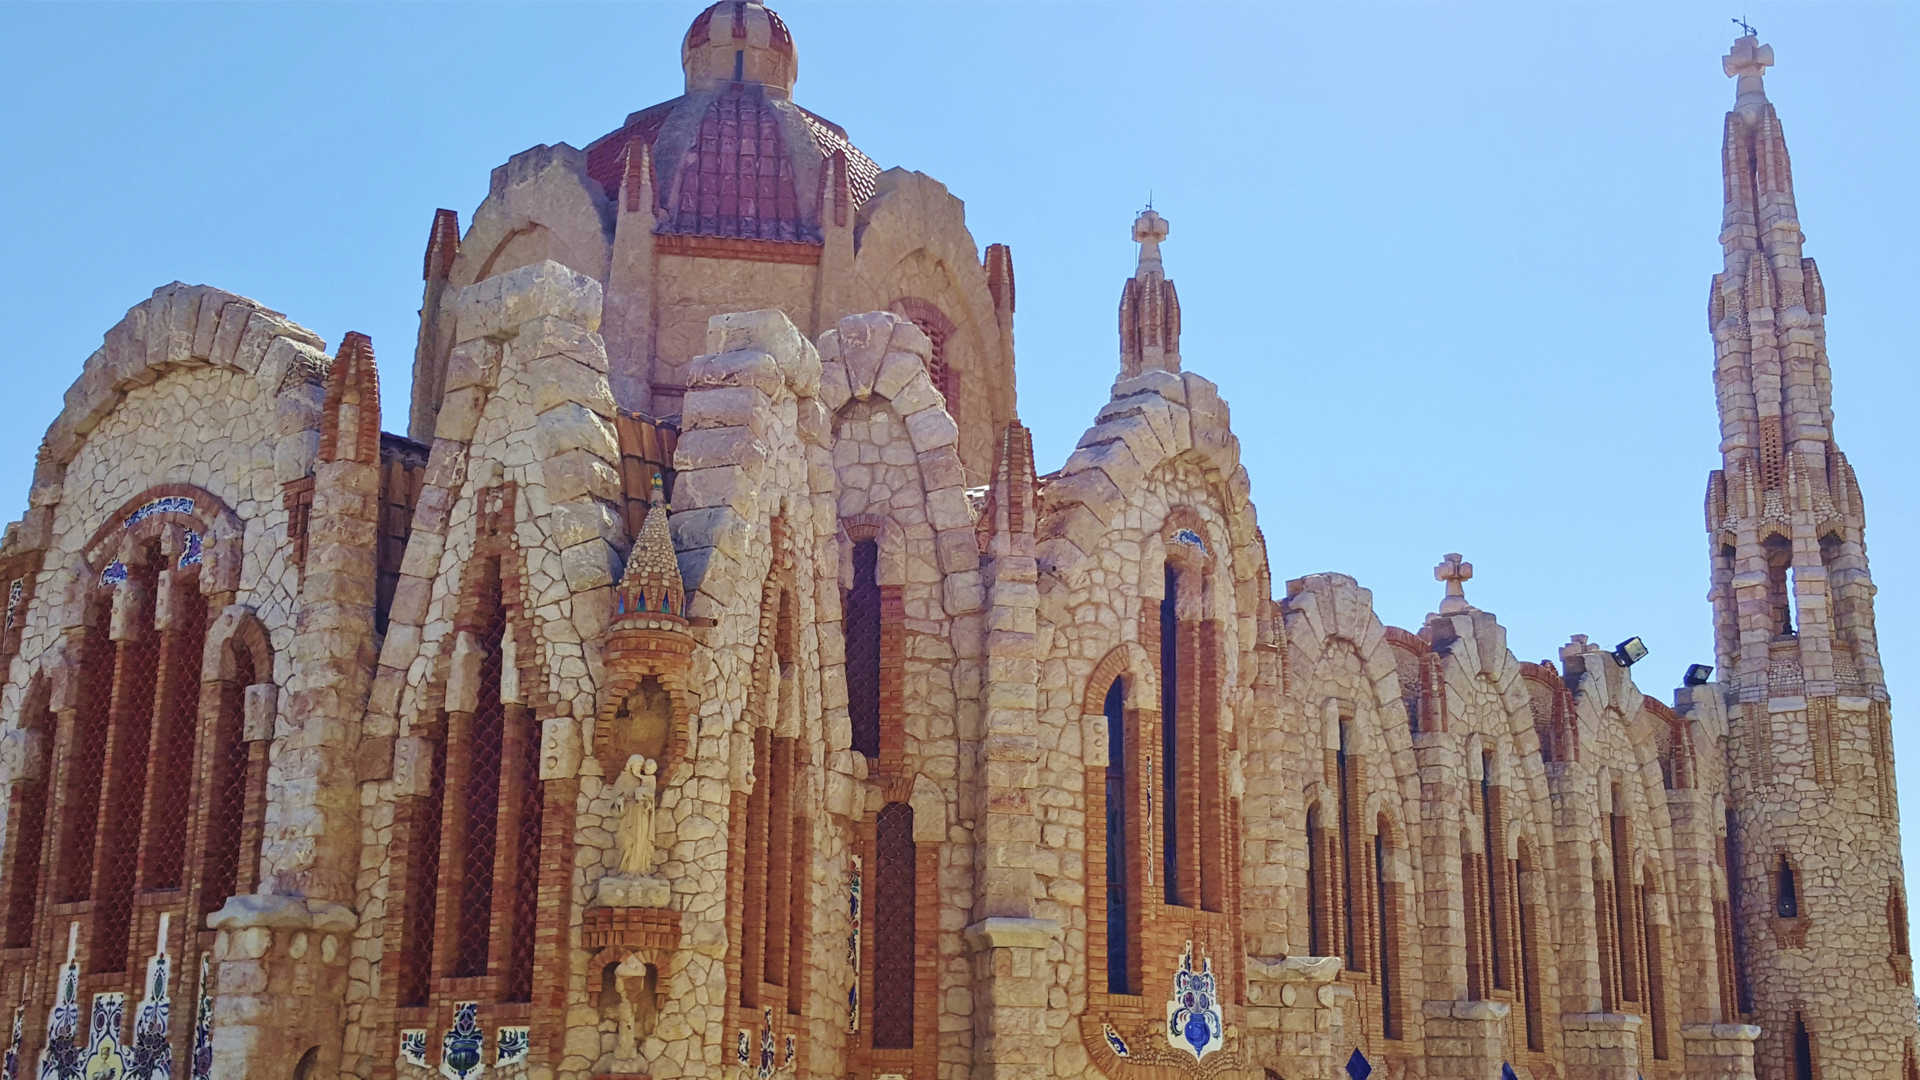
{"x": 1456, "y": 573}
{"x": 1148, "y": 230}
{"x": 1747, "y": 57}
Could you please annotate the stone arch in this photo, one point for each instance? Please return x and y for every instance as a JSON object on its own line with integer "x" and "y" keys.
{"x": 179, "y": 326}
{"x": 235, "y": 632}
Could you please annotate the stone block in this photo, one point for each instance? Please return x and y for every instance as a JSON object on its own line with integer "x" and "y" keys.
{"x": 498, "y": 306}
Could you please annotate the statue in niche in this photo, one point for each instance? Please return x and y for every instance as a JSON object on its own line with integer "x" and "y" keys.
{"x": 636, "y": 795}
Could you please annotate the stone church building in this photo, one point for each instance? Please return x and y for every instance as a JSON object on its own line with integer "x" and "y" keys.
{"x": 711, "y": 684}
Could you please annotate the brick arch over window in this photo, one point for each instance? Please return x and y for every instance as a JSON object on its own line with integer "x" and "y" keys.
{"x": 1115, "y": 712}
{"x": 939, "y": 329}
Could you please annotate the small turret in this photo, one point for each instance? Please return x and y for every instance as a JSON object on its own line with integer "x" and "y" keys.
{"x": 1149, "y": 307}
{"x": 651, "y": 593}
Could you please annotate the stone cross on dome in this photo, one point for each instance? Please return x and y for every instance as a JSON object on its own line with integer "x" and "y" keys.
{"x": 1148, "y": 230}
{"x": 1456, "y": 572}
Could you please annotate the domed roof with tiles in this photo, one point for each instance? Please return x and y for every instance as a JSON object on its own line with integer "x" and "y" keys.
{"x": 734, "y": 156}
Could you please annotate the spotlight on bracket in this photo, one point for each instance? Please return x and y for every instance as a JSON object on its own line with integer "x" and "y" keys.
{"x": 1629, "y": 652}
{"x": 1697, "y": 674}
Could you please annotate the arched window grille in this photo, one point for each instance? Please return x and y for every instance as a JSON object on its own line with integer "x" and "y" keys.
{"x": 1623, "y": 899}
{"x": 1353, "y": 896}
{"x": 894, "y": 913}
{"x": 481, "y": 738}
{"x": 79, "y": 810}
{"x": 1496, "y": 862}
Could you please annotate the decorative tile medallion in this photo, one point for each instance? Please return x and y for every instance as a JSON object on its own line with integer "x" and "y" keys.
{"x": 1193, "y": 1013}
{"x": 63, "y": 1059}
{"x": 114, "y": 574}
{"x": 152, "y": 1057}
{"x": 460, "y": 1046}
{"x": 853, "y": 944}
{"x": 413, "y": 1047}
{"x": 10, "y": 1068}
{"x": 1191, "y": 539}
{"x": 511, "y": 1046}
{"x": 1114, "y": 1040}
{"x": 742, "y": 1048}
{"x": 203, "y": 1022}
{"x": 105, "y": 1061}
{"x": 166, "y": 504}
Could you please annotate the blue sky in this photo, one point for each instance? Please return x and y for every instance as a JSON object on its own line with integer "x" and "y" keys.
{"x": 1449, "y": 266}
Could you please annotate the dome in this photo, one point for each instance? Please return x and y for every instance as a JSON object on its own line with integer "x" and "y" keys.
{"x": 738, "y": 41}
{"x": 734, "y": 156}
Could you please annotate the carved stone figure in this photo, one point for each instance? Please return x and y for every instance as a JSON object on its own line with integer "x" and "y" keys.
{"x": 636, "y": 797}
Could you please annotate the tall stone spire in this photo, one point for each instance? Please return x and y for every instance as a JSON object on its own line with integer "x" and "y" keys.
{"x": 1149, "y": 308}
{"x": 1811, "y": 760}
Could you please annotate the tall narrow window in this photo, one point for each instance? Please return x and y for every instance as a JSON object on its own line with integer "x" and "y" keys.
{"x": 1495, "y": 859}
{"x": 779, "y": 862}
{"x": 1779, "y": 556}
{"x": 79, "y": 811}
{"x": 1529, "y": 919}
{"x": 227, "y": 784}
{"x": 1349, "y": 879}
{"x": 176, "y": 728}
{"x": 1897, "y": 925}
{"x": 1471, "y": 882}
{"x": 27, "y": 819}
{"x": 863, "y": 648}
{"x": 894, "y": 910}
{"x": 1119, "y": 954}
{"x": 1802, "y": 1049}
{"x": 1743, "y": 989}
{"x": 528, "y": 810}
{"x": 1317, "y": 943}
{"x": 1603, "y": 938}
{"x": 1786, "y": 891}
{"x": 1170, "y": 734}
{"x": 1623, "y": 899}
{"x": 129, "y": 737}
{"x": 1652, "y": 958}
{"x": 479, "y": 805}
{"x": 423, "y": 882}
{"x": 1389, "y": 1012}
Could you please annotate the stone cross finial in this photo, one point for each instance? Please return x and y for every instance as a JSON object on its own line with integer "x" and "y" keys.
{"x": 1456, "y": 573}
{"x": 1747, "y": 57}
{"x": 1747, "y": 62}
{"x": 1149, "y": 229}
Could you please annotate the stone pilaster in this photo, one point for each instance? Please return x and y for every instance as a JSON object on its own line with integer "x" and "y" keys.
{"x": 1720, "y": 1051}
{"x": 1011, "y": 977}
{"x": 280, "y": 980}
{"x": 1466, "y": 1040}
{"x": 1601, "y": 1046}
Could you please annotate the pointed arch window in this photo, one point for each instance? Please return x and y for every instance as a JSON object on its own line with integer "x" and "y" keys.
{"x": 1493, "y": 830}
{"x": 1626, "y": 925}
